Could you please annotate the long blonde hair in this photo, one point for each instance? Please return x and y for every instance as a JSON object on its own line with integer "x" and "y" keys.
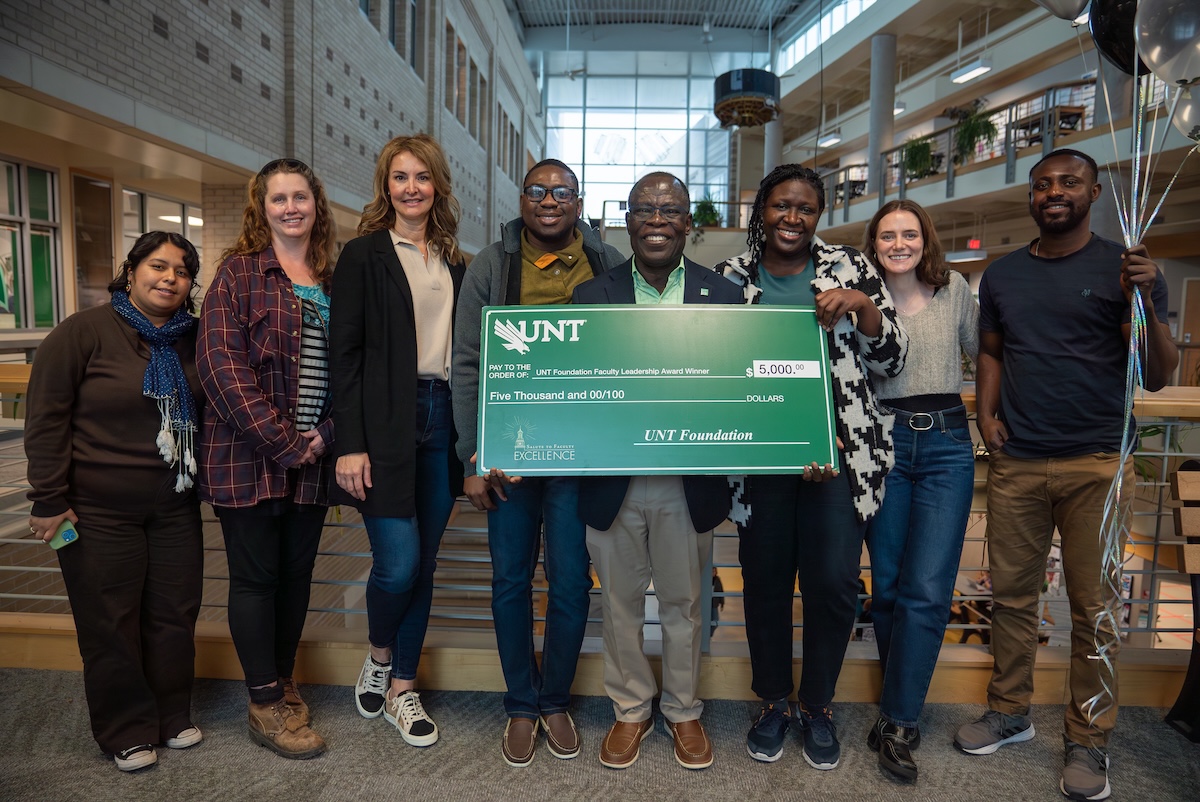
{"x": 442, "y": 227}
{"x": 256, "y": 232}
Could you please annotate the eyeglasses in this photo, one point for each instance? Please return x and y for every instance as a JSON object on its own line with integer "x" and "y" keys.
{"x": 291, "y": 165}
{"x": 537, "y": 192}
{"x": 647, "y": 212}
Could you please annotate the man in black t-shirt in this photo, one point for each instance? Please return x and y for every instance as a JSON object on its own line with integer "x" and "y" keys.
{"x": 1054, "y": 332}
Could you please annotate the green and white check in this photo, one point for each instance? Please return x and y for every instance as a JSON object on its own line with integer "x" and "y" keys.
{"x": 695, "y": 389}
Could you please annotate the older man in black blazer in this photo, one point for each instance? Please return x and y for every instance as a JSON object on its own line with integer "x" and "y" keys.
{"x": 654, "y": 527}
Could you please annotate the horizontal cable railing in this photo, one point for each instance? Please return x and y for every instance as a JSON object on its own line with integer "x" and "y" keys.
{"x": 30, "y": 580}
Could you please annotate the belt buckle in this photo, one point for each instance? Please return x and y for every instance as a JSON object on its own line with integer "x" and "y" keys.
{"x": 912, "y": 422}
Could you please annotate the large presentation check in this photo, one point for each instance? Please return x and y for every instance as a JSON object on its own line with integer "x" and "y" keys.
{"x": 594, "y": 390}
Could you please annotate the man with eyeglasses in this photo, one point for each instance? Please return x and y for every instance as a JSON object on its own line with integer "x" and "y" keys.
{"x": 541, "y": 257}
{"x": 658, "y": 528}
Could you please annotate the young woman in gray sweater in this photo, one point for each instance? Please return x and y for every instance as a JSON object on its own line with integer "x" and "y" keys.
{"x": 916, "y": 539}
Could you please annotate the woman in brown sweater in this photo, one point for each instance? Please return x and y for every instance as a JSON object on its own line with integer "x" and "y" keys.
{"x": 109, "y": 434}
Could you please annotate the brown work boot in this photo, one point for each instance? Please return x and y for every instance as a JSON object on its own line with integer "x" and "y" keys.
{"x": 276, "y": 726}
{"x": 291, "y": 694}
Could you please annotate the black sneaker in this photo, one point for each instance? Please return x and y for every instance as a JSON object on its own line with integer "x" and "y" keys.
{"x": 136, "y": 757}
{"x": 821, "y": 748}
{"x": 1085, "y": 772}
{"x": 873, "y": 736}
{"x": 371, "y": 687}
{"x": 765, "y": 739}
{"x": 894, "y": 745}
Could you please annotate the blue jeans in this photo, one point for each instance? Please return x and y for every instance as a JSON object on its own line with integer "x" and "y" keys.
{"x": 916, "y": 541}
{"x": 400, "y": 588}
{"x": 514, "y": 537}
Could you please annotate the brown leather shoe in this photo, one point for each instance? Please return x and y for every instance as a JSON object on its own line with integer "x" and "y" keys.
{"x": 520, "y": 740}
{"x": 620, "y": 748}
{"x": 693, "y": 750}
{"x": 277, "y": 727}
{"x": 291, "y": 694}
{"x": 562, "y": 739}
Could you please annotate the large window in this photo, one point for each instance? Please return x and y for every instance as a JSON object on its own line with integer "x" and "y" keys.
{"x": 141, "y": 212}
{"x": 613, "y": 129}
{"x": 29, "y": 246}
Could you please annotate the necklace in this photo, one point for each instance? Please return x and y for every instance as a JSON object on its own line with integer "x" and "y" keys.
{"x": 1036, "y": 243}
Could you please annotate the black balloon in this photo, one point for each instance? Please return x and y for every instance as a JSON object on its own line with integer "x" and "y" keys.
{"x": 1111, "y": 23}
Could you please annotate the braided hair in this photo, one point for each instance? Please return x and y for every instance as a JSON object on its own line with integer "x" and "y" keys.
{"x": 784, "y": 172}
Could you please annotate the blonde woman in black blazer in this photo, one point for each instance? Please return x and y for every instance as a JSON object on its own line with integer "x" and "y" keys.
{"x": 395, "y": 290}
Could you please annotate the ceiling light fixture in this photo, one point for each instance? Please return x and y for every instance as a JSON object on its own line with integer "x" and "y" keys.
{"x": 899, "y": 108}
{"x": 958, "y": 257}
{"x": 830, "y": 139}
{"x": 971, "y": 71}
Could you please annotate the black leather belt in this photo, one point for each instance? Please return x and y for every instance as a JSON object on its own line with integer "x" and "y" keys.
{"x": 924, "y": 421}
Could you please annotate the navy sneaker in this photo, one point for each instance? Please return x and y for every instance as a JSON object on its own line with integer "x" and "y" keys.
{"x": 765, "y": 739}
{"x": 821, "y": 748}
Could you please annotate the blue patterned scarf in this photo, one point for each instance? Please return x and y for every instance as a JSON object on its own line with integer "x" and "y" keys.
{"x": 167, "y": 384}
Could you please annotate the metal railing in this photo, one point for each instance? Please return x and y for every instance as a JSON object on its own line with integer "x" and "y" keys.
{"x": 30, "y": 579}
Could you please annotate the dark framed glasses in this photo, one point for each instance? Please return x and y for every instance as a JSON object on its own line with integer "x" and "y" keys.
{"x": 537, "y": 192}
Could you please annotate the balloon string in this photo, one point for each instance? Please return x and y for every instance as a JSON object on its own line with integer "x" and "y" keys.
{"x": 1170, "y": 184}
{"x": 1114, "y": 529}
{"x": 1118, "y": 197}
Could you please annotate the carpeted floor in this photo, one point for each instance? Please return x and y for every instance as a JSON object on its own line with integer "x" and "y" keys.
{"x": 47, "y": 755}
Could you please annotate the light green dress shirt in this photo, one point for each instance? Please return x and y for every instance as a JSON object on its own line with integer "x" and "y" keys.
{"x": 643, "y": 293}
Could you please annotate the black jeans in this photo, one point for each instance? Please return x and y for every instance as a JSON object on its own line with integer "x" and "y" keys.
{"x": 134, "y": 579}
{"x": 808, "y": 528}
{"x": 271, "y": 549}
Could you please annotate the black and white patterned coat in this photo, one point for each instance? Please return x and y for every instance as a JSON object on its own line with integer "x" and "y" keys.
{"x": 864, "y": 426}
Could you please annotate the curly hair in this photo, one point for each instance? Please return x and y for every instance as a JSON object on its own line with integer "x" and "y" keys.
{"x": 932, "y": 268}
{"x": 147, "y": 244}
{"x": 442, "y": 227}
{"x": 256, "y": 232}
{"x": 755, "y": 235}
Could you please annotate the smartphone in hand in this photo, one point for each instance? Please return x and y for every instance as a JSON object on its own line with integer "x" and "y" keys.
{"x": 65, "y": 535}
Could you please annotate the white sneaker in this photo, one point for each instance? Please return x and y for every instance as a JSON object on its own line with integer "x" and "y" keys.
{"x": 372, "y": 687}
{"x": 136, "y": 757}
{"x": 189, "y": 737}
{"x": 406, "y": 712}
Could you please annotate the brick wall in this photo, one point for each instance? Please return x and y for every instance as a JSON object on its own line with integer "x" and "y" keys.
{"x": 318, "y": 81}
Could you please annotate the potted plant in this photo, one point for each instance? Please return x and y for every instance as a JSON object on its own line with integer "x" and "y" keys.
{"x": 706, "y": 213}
{"x": 918, "y": 158}
{"x": 972, "y": 125}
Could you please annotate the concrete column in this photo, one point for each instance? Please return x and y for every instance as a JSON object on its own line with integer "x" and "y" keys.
{"x": 772, "y": 145}
{"x": 883, "y": 100}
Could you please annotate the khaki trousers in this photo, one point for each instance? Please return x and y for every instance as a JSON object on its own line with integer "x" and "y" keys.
{"x": 652, "y": 538}
{"x": 1027, "y": 499}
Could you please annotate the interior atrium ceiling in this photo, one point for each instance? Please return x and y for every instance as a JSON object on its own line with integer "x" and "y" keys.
{"x": 924, "y": 37}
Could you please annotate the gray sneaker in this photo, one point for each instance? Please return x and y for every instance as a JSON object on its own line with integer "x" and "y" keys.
{"x": 992, "y": 731}
{"x": 1085, "y": 772}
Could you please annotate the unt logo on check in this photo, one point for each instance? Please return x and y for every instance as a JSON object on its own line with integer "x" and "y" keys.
{"x": 518, "y": 336}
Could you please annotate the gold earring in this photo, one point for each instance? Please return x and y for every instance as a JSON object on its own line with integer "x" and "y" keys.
{"x": 128, "y": 286}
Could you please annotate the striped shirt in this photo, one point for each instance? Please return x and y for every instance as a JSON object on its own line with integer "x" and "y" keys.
{"x": 312, "y": 402}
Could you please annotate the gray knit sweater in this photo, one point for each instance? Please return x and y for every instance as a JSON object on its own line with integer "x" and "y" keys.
{"x": 947, "y": 327}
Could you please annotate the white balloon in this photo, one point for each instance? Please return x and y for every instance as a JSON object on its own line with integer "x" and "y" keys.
{"x": 1064, "y": 9}
{"x": 1187, "y": 116}
{"x": 1168, "y": 39}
